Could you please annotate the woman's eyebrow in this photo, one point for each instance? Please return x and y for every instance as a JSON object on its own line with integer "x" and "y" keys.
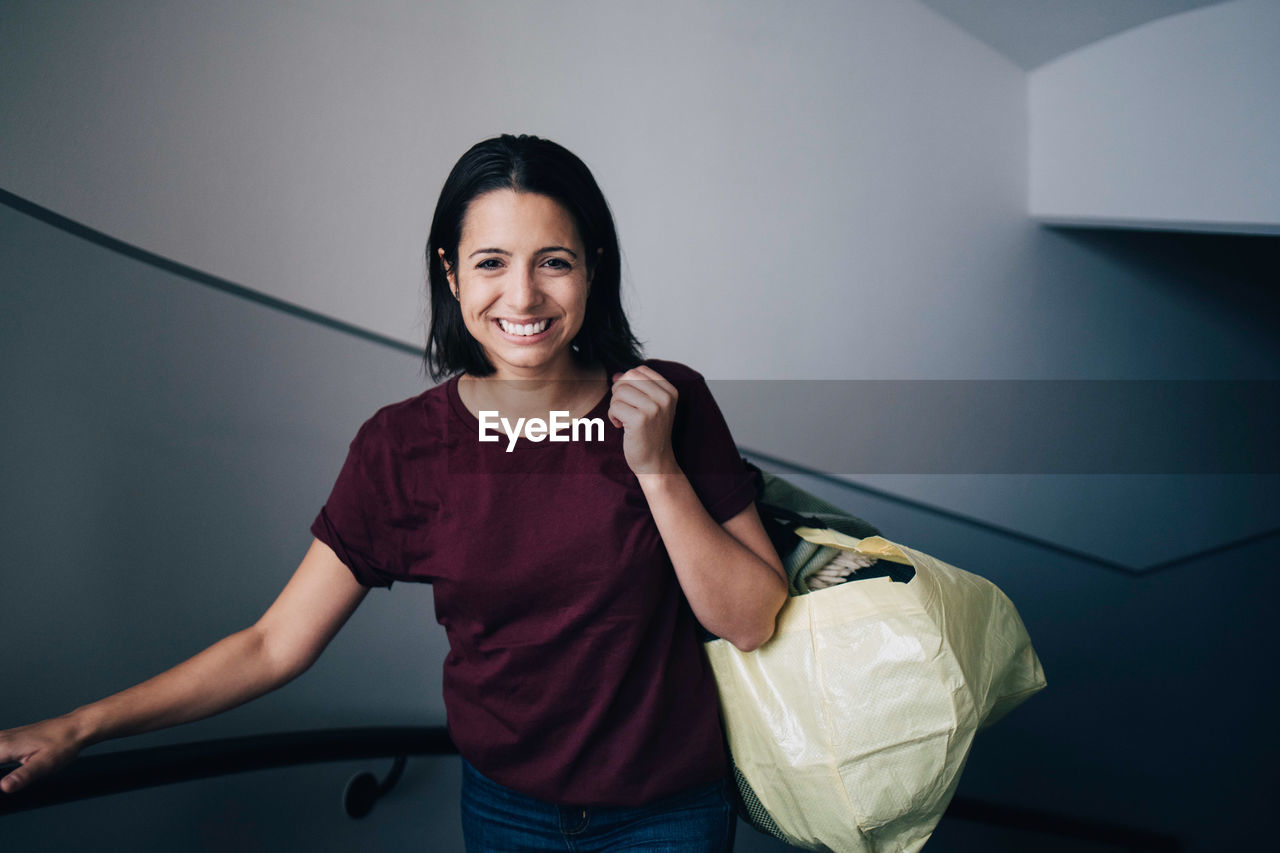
{"x": 541, "y": 251}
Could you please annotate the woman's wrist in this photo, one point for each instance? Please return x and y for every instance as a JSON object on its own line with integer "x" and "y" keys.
{"x": 659, "y": 475}
{"x": 85, "y": 725}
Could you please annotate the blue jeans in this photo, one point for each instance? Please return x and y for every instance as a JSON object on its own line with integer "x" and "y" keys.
{"x": 496, "y": 819}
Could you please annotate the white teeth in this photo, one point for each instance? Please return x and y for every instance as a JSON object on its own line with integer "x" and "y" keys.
{"x": 524, "y": 330}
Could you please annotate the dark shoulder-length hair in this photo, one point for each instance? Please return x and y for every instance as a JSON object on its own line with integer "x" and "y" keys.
{"x": 533, "y": 165}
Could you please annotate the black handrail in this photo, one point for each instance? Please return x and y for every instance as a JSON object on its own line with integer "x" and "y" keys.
{"x": 134, "y": 769}
{"x": 131, "y": 770}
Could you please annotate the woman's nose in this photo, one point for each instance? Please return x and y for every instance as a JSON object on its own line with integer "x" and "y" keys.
{"x": 522, "y": 289}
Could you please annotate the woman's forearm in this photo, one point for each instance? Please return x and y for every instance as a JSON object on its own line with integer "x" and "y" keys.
{"x": 293, "y": 632}
{"x": 735, "y": 591}
{"x": 232, "y": 671}
{"x": 228, "y": 673}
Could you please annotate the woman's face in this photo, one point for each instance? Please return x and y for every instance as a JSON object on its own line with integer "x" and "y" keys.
{"x": 521, "y": 281}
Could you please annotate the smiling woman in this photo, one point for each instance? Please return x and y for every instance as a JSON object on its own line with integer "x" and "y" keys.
{"x": 570, "y": 575}
{"x": 495, "y": 197}
{"x": 522, "y": 283}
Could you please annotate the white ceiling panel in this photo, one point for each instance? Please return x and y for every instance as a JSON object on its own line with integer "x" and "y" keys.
{"x": 1033, "y": 32}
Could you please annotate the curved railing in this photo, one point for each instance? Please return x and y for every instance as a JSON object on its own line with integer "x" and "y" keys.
{"x": 134, "y": 769}
{"x": 131, "y": 770}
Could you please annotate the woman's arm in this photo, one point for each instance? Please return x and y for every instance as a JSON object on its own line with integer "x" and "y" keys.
{"x": 280, "y": 646}
{"x": 730, "y": 573}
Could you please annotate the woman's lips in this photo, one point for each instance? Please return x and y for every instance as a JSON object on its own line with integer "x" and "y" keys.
{"x": 519, "y": 337}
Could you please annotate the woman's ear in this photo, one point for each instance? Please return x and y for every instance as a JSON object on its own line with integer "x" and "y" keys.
{"x": 448, "y": 274}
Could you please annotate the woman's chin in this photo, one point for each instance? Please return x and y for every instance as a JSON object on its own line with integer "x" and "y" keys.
{"x": 531, "y": 358}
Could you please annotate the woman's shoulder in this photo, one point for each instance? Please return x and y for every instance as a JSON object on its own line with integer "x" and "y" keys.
{"x": 409, "y": 419}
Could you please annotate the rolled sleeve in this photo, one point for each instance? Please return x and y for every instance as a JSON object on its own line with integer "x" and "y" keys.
{"x": 354, "y": 521}
{"x": 705, "y": 448}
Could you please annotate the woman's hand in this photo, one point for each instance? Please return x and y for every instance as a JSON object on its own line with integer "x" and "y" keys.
{"x": 41, "y": 747}
{"x": 644, "y": 407}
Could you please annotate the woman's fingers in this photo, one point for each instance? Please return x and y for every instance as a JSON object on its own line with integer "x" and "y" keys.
{"x": 637, "y": 399}
{"x": 30, "y": 771}
{"x": 21, "y": 775}
{"x": 626, "y": 414}
{"x": 41, "y": 747}
{"x": 640, "y": 393}
{"x": 648, "y": 382}
{"x": 17, "y": 780}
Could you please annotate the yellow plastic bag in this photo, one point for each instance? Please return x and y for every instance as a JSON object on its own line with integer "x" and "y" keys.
{"x": 852, "y": 724}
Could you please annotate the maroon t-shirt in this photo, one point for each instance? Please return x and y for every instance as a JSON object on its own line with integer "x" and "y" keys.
{"x": 575, "y": 673}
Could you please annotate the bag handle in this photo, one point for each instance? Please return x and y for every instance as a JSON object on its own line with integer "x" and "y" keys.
{"x": 872, "y": 546}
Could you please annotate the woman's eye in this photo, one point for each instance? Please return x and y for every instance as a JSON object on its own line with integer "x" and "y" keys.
{"x": 489, "y": 264}
{"x": 558, "y": 264}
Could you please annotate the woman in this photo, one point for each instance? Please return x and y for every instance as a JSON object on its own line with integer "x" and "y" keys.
{"x": 568, "y": 568}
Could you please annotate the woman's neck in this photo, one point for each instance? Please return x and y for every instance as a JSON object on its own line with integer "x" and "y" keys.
{"x": 534, "y": 396}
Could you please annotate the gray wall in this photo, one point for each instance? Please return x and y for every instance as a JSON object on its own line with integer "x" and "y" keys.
{"x": 825, "y": 190}
{"x": 751, "y": 151}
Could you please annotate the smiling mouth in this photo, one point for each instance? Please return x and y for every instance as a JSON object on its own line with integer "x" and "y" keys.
{"x": 524, "y": 330}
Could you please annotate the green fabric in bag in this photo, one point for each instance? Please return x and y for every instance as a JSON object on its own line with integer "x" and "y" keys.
{"x": 781, "y": 504}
